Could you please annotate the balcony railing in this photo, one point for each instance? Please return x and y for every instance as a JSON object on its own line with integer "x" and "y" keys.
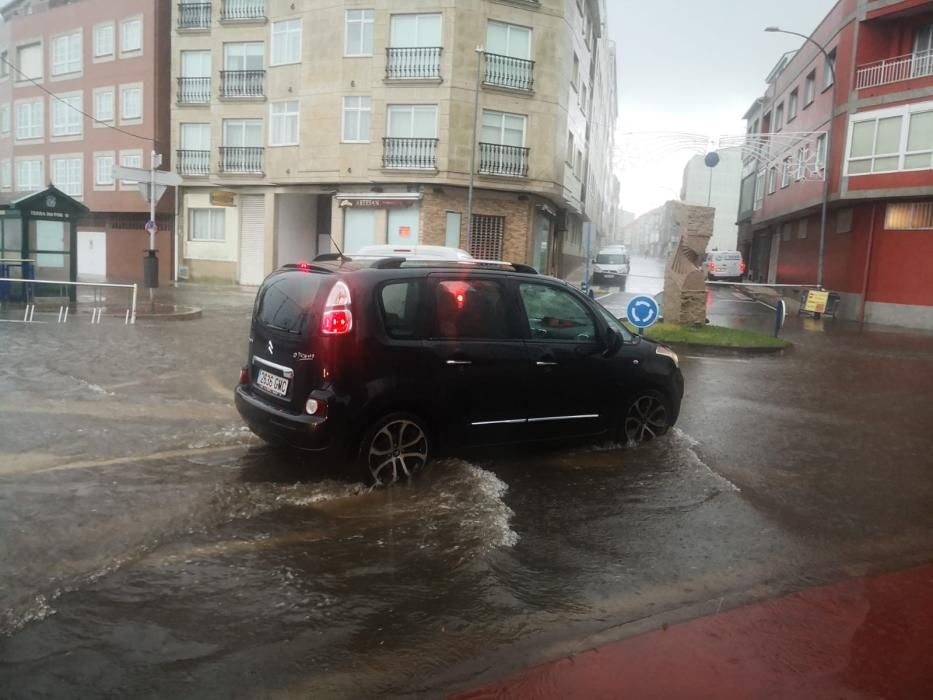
{"x": 496, "y": 159}
{"x": 194, "y": 91}
{"x": 194, "y": 15}
{"x": 413, "y": 154}
{"x": 509, "y": 72}
{"x": 194, "y": 163}
{"x": 893, "y": 70}
{"x": 242, "y": 83}
{"x": 241, "y": 159}
{"x": 243, "y": 10}
{"x": 413, "y": 63}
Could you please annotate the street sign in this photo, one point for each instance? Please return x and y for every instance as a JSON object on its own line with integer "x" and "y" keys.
{"x": 144, "y": 190}
{"x": 816, "y": 302}
{"x": 162, "y": 177}
{"x": 642, "y": 312}
{"x": 151, "y": 226}
{"x": 222, "y": 198}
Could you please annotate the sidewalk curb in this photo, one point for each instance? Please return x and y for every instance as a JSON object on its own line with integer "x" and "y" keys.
{"x": 191, "y": 313}
{"x": 724, "y": 350}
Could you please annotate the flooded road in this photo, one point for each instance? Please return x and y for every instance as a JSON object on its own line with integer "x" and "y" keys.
{"x": 152, "y": 547}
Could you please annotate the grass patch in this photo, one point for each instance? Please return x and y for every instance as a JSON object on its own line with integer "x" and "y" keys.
{"x": 712, "y": 336}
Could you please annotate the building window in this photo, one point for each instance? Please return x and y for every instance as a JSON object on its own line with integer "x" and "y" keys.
{"x": 29, "y": 61}
{"x": 792, "y": 105}
{"x": 785, "y": 231}
{"x": 356, "y": 114}
{"x": 66, "y": 115}
{"x": 66, "y": 54}
{"x": 575, "y": 77}
{"x": 508, "y": 40}
{"x": 759, "y": 190}
{"x": 131, "y": 35}
{"x": 5, "y": 119}
{"x": 206, "y": 224}
{"x": 103, "y": 105}
{"x": 4, "y": 64}
{"x": 283, "y": 127}
{"x": 29, "y": 175}
{"x": 829, "y": 70}
{"x": 29, "y": 120}
{"x": 578, "y": 164}
{"x": 802, "y": 228}
{"x": 844, "y": 220}
{"x": 286, "y": 42}
{"x": 358, "y": 35}
{"x": 503, "y": 128}
{"x": 486, "y": 239}
{"x": 570, "y": 148}
{"x": 242, "y": 133}
{"x": 919, "y": 142}
{"x": 803, "y": 155}
{"x": 909, "y": 216}
{"x": 821, "y": 151}
{"x": 785, "y": 173}
{"x": 809, "y": 89}
{"x": 66, "y": 175}
{"x": 103, "y": 40}
{"x": 408, "y": 31}
{"x": 130, "y": 159}
{"x": 772, "y": 180}
{"x": 779, "y": 117}
{"x": 103, "y": 169}
{"x": 244, "y": 56}
{"x": 6, "y": 174}
{"x": 413, "y": 121}
{"x": 131, "y": 103}
{"x": 875, "y": 145}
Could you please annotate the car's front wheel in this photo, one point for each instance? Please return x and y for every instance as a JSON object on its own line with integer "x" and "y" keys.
{"x": 646, "y": 416}
{"x": 395, "y": 447}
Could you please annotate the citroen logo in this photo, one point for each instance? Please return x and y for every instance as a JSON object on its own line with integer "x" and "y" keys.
{"x": 270, "y": 347}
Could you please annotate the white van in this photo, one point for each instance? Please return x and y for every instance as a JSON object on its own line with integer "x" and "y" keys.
{"x": 611, "y": 266}
{"x": 725, "y": 265}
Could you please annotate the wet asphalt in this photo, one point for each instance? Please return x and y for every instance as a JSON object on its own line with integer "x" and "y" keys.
{"x": 151, "y": 547}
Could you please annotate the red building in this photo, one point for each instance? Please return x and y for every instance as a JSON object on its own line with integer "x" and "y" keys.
{"x": 879, "y": 233}
{"x": 84, "y": 86}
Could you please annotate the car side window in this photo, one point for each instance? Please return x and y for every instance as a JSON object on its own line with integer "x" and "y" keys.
{"x": 400, "y": 302}
{"x": 554, "y": 314}
{"x": 471, "y": 309}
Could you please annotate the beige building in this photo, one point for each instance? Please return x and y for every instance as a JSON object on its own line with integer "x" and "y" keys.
{"x": 301, "y": 126}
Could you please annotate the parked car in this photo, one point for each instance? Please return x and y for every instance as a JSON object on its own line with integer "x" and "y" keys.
{"x": 611, "y": 266}
{"x": 725, "y": 265}
{"x": 388, "y": 362}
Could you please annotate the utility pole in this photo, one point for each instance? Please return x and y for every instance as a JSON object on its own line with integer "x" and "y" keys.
{"x": 469, "y": 212}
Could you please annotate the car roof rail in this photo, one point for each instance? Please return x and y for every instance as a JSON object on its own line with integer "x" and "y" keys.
{"x": 397, "y": 261}
{"x": 327, "y": 257}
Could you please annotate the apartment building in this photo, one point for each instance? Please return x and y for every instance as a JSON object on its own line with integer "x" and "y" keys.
{"x": 875, "y": 86}
{"x": 301, "y": 127}
{"x": 79, "y": 86}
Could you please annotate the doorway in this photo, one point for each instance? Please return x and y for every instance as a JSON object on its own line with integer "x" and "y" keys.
{"x": 773, "y": 260}
{"x": 92, "y": 256}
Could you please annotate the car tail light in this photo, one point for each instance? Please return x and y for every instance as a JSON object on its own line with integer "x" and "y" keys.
{"x": 337, "y": 318}
{"x": 244, "y": 375}
{"x": 304, "y": 267}
{"x": 742, "y": 266}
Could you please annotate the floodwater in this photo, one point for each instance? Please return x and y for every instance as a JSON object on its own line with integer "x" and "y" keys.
{"x": 152, "y": 547}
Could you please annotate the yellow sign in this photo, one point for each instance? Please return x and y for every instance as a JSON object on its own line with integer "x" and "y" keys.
{"x": 222, "y": 198}
{"x": 816, "y": 302}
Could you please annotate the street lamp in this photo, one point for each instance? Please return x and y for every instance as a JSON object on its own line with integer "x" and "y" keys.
{"x": 827, "y": 164}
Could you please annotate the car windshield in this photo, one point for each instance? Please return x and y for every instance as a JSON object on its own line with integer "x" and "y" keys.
{"x": 611, "y": 259}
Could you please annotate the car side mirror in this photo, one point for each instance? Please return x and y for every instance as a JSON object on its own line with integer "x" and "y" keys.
{"x": 614, "y": 341}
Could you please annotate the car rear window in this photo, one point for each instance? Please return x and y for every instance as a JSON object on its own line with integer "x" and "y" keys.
{"x": 285, "y": 301}
{"x": 613, "y": 259}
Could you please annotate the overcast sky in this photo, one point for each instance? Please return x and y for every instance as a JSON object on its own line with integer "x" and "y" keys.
{"x": 691, "y": 66}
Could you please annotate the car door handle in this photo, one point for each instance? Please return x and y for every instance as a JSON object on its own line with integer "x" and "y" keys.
{"x": 459, "y": 363}
{"x": 544, "y": 363}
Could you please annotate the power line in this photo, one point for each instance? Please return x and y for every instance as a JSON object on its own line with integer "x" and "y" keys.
{"x": 76, "y": 109}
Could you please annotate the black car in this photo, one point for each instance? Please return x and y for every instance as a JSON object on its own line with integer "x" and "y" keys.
{"x": 389, "y": 361}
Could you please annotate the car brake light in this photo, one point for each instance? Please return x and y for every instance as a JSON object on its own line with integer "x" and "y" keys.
{"x": 337, "y": 318}
{"x": 304, "y": 267}
{"x": 244, "y": 375}
{"x": 742, "y": 266}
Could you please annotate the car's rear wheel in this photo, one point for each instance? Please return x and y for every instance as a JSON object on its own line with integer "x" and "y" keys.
{"x": 646, "y": 417}
{"x": 395, "y": 447}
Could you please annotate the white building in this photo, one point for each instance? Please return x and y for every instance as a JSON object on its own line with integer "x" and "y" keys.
{"x": 724, "y": 195}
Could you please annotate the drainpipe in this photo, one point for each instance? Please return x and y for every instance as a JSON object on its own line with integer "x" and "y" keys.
{"x": 871, "y": 244}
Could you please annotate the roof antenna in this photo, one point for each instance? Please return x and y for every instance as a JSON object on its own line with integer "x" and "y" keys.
{"x": 334, "y": 243}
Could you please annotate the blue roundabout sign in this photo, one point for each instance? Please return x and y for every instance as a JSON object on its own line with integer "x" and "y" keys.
{"x": 642, "y": 312}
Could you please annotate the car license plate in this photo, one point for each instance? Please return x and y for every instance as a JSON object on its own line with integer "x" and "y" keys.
{"x": 277, "y": 386}
{"x": 610, "y": 274}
